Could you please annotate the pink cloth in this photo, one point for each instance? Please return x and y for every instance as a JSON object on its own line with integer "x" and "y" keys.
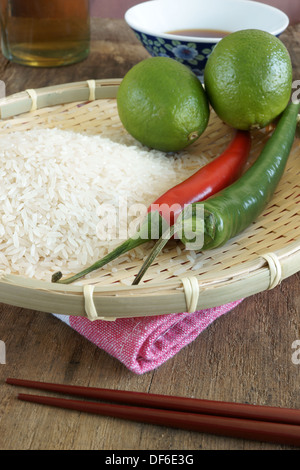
{"x": 143, "y": 344}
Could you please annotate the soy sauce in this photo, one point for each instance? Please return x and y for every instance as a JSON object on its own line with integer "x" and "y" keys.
{"x": 203, "y": 33}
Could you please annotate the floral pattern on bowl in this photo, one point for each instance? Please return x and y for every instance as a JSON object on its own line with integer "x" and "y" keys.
{"x": 192, "y": 54}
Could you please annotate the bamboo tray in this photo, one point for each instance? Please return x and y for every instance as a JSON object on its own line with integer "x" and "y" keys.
{"x": 256, "y": 260}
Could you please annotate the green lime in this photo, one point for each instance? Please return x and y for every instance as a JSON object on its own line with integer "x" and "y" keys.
{"x": 248, "y": 78}
{"x": 162, "y": 104}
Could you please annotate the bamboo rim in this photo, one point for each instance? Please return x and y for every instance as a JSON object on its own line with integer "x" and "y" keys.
{"x": 186, "y": 292}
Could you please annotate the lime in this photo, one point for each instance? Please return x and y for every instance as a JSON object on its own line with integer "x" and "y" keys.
{"x": 162, "y": 104}
{"x": 248, "y": 78}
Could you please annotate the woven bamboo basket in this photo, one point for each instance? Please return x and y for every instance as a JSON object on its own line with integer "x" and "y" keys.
{"x": 258, "y": 259}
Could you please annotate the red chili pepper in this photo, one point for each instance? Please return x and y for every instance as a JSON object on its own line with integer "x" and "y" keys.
{"x": 210, "y": 179}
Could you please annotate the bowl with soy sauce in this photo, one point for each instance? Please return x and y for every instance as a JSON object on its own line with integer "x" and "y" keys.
{"x": 188, "y": 30}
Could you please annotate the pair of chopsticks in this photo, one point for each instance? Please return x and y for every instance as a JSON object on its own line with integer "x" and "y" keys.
{"x": 254, "y": 422}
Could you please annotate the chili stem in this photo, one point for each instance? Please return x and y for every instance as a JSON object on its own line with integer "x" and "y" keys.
{"x": 153, "y": 224}
{"x": 159, "y": 245}
{"x": 120, "y": 250}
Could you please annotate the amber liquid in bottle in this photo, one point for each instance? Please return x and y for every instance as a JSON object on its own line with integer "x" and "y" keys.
{"x": 45, "y": 33}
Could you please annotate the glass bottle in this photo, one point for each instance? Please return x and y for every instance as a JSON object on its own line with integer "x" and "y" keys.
{"x": 45, "y": 33}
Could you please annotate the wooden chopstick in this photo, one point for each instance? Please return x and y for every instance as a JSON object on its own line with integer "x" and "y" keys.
{"x": 191, "y": 405}
{"x": 233, "y": 427}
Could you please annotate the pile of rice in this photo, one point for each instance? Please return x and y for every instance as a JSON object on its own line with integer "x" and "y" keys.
{"x": 54, "y": 185}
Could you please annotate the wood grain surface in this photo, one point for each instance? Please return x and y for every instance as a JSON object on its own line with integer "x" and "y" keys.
{"x": 245, "y": 356}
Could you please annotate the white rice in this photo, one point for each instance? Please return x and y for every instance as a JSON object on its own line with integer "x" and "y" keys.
{"x": 54, "y": 186}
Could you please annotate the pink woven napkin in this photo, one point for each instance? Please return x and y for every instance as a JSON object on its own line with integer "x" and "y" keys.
{"x": 143, "y": 344}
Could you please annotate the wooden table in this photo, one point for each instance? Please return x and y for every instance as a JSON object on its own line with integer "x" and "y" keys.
{"x": 244, "y": 356}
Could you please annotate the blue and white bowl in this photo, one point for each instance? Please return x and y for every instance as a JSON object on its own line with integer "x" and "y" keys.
{"x": 152, "y": 21}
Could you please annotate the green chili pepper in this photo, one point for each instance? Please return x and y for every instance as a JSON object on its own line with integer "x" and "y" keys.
{"x": 234, "y": 208}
